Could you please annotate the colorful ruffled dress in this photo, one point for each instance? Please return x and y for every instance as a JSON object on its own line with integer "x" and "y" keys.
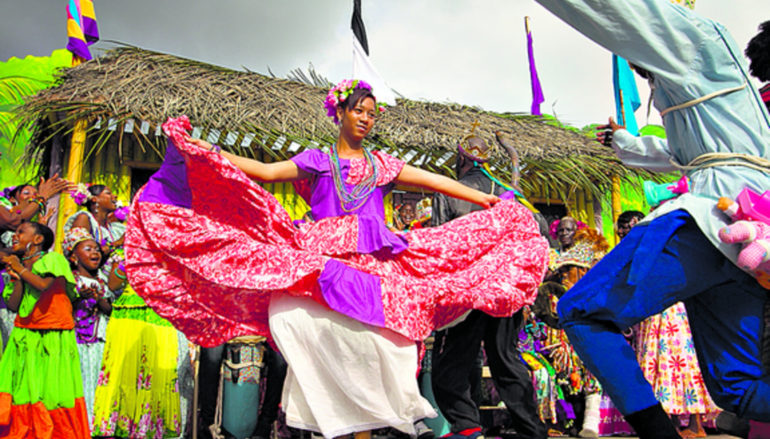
{"x": 135, "y": 384}
{"x": 137, "y": 393}
{"x": 207, "y": 247}
{"x": 41, "y": 387}
{"x": 345, "y": 298}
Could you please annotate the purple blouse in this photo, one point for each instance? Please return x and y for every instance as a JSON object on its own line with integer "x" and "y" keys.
{"x": 373, "y": 234}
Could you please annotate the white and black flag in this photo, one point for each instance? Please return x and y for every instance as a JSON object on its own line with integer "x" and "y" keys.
{"x": 362, "y": 65}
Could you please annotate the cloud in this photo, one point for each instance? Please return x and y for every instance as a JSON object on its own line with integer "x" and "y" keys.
{"x": 463, "y": 51}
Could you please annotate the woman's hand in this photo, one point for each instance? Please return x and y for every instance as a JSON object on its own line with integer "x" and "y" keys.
{"x": 53, "y": 186}
{"x": 13, "y": 263}
{"x": 47, "y": 217}
{"x": 411, "y": 176}
{"x": 397, "y": 223}
{"x": 117, "y": 277}
{"x": 89, "y": 292}
{"x": 199, "y": 143}
{"x": 488, "y": 200}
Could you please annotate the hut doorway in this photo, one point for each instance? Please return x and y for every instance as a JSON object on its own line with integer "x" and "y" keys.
{"x": 139, "y": 176}
{"x": 551, "y": 211}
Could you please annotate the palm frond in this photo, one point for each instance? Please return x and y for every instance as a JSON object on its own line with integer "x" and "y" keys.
{"x": 269, "y": 114}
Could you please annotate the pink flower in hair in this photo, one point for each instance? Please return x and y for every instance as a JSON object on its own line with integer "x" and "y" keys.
{"x": 80, "y": 194}
{"x": 121, "y": 213}
{"x": 340, "y": 93}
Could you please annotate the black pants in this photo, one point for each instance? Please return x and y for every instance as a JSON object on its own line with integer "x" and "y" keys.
{"x": 454, "y": 357}
{"x": 208, "y": 382}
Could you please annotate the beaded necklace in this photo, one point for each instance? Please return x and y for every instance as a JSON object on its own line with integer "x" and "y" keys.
{"x": 361, "y": 191}
{"x": 27, "y": 258}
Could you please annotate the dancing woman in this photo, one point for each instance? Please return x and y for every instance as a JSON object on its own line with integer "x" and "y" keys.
{"x": 358, "y": 294}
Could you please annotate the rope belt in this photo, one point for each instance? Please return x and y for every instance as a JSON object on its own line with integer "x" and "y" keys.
{"x": 712, "y": 159}
{"x": 697, "y": 101}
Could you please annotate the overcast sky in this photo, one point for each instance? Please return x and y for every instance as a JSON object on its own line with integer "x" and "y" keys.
{"x": 467, "y": 51}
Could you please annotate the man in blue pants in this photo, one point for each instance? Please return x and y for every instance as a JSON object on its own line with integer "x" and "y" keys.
{"x": 718, "y": 133}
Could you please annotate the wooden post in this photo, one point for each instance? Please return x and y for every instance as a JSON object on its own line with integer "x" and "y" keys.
{"x": 67, "y": 206}
{"x": 589, "y": 201}
{"x": 74, "y": 171}
{"x": 580, "y": 206}
{"x": 616, "y": 207}
{"x": 196, "y": 383}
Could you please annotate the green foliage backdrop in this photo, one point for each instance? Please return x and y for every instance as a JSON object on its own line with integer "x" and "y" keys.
{"x": 20, "y": 78}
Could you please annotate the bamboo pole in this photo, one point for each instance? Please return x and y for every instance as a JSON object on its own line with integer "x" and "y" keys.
{"x": 616, "y": 207}
{"x": 580, "y": 206}
{"x": 196, "y": 383}
{"x": 68, "y": 207}
{"x": 74, "y": 172}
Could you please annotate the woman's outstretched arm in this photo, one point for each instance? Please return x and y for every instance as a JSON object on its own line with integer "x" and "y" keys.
{"x": 284, "y": 170}
{"x": 411, "y": 176}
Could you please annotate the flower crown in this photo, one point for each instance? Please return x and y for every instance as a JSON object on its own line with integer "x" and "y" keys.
{"x": 81, "y": 194}
{"x": 340, "y": 93}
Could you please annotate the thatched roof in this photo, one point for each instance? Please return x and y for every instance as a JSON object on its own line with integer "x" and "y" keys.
{"x": 252, "y": 112}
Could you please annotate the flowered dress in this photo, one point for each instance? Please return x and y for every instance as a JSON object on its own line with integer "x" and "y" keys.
{"x": 666, "y": 353}
{"x": 136, "y": 391}
{"x": 216, "y": 254}
{"x": 207, "y": 249}
{"x": 90, "y": 331}
{"x": 41, "y": 386}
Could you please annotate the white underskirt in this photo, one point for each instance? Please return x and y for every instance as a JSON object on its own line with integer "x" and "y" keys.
{"x": 344, "y": 376}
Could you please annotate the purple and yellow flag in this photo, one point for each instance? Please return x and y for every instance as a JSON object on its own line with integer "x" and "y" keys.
{"x": 537, "y": 90}
{"x": 82, "y": 30}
